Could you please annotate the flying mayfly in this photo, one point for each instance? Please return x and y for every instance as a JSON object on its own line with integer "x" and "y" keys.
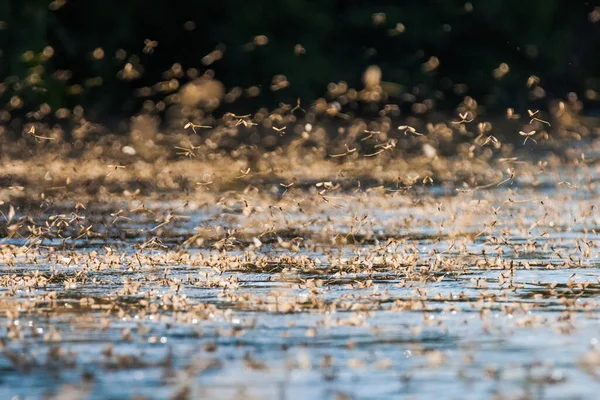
{"x": 38, "y": 138}
{"x": 527, "y": 135}
{"x": 194, "y": 126}
{"x": 407, "y": 128}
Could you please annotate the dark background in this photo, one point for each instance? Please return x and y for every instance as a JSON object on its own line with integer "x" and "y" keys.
{"x": 555, "y": 40}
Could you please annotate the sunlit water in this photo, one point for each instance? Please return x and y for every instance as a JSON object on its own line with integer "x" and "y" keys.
{"x": 455, "y": 295}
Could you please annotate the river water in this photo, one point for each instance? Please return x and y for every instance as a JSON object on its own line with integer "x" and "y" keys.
{"x": 381, "y": 293}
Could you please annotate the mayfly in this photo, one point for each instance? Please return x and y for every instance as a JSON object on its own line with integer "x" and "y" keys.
{"x": 207, "y": 181}
{"x": 463, "y": 119}
{"x": 246, "y": 123}
{"x": 187, "y": 151}
{"x": 371, "y": 134}
{"x": 527, "y": 136}
{"x": 242, "y": 119}
{"x": 533, "y": 117}
{"x": 410, "y": 129}
{"x": 281, "y": 130}
{"x": 194, "y": 126}
{"x": 286, "y": 187}
{"x": 168, "y": 219}
{"x": 149, "y": 46}
{"x": 491, "y": 139}
{"x": 510, "y": 114}
{"x": 348, "y": 151}
{"x": 118, "y": 215}
{"x": 390, "y": 145}
{"x": 297, "y": 107}
{"x": 38, "y": 138}
{"x": 244, "y": 173}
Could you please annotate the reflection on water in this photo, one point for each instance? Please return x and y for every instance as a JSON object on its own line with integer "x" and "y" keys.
{"x": 464, "y": 294}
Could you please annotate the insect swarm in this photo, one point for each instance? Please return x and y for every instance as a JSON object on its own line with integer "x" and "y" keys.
{"x": 245, "y": 248}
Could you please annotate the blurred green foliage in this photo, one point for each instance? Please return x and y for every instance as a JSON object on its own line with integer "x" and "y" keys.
{"x": 552, "y": 39}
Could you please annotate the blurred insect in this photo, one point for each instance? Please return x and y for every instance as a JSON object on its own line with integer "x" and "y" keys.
{"x": 371, "y": 134}
{"x": 533, "y": 117}
{"x": 242, "y": 120}
{"x": 510, "y": 114}
{"x": 85, "y": 231}
{"x": 187, "y": 151}
{"x": 389, "y": 145}
{"x": 115, "y": 167}
{"x": 328, "y": 201}
{"x": 410, "y": 129}
{"x": 168, "y": 219}
{"x": 281, "y": 130}
{"x": 490, "y": 139}
{"x": 348, "y": 151}
{"x": 153, "y": 243}
{"x": 149, "y": 46}
{"x": 38, "y": 138}
{"x": 207, "y": 181}
{"x": 194, "y": 126}
{"x": 118, "y": 216}
{"x": 142, "y": 208}
{"x": 527, "y": 135}
{"x": 11, "y": 214}
{"x": 244, "y": 173}
{"x": 532, "y": 80}
{"x": 246, "y": 123}
{"x": 286, "y": 187}
{"x": 326, "y": 186}
{"x": 374, "y": 154}
{"x": 297, "y": 107}
{"x": 463, "y": 119}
